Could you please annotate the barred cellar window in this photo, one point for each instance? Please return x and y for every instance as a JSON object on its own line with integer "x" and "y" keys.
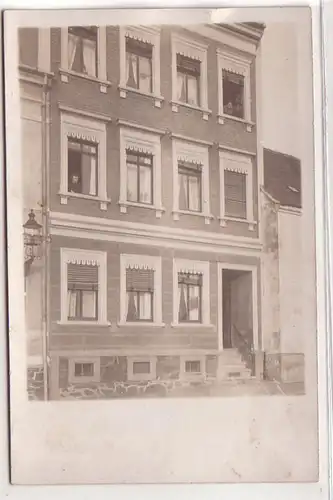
{"x": 82, "y": 167}
{"x": 190, "y": 186}
{"x": 82, "y": 287}
{"x": 193, "y": 366}
{"x": 189, "y": 297}
{"x": 139, "y": 294}
{"x": 82, "y": 49}
{"x": 235, "y": 194}
{"x": 84, "y": 370}
{"x": 139, "y": 177}
{"x": 233, "y": 94}
{"x": 139, "y": 57}
{"x": 188, "y": 80}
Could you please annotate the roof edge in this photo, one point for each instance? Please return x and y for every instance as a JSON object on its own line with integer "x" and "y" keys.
{"x": 247, "y": 30}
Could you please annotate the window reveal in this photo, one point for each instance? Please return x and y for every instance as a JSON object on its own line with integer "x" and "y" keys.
{"x": 82, "y": 167}
{"x": 139, "y": 65}
{"x": 189, "y": 297}
{"x": 233, "y": 94}
{"x": 82, "y": 49}
{"x": 190, "y": 187}
{"x": 235, "y": 194}
{"x": 188, "y": 78}
{"x": 139, "y": 295}
{"x": 139, "y": 177}
{"x": 82, "y": 292}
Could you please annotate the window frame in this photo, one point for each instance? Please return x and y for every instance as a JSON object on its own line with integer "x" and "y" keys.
{"x": 80, "y": 255}
{"x": 84, "y": 128}
{"x": 192, "y": 267}
{"x": 191, "y": 152}
{"x": 200, "y": 286}
{"x": 84, "y": 143}
{"x": 132, "y": 377}
{"x": 192, "y": 49}
{"x": 151, "y": 36}
{"x": 185, "y": 375}
{"x": 74, "y": 379}
{"x": 78, "y": 32}
{"x": 194, "y": 173}
{"x": 241, "y": 163}
{"x": 137, "y": 54}
{"x": 138, "y": 164}
{"x": 145, "y": 262}
{"x": 138, "y": 141}
{"x": 187, "y": 72}
{"x": 233, "y": 63}
{"x": 101, "y": 74}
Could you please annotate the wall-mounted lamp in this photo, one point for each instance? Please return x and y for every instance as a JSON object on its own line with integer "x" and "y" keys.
{"x": 32, "y": 240}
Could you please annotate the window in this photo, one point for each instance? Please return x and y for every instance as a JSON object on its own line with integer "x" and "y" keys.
{"x": 193, "y": 366}
{"x": 235, "y": 194}
{"x": 234, "y": 87}
{"x": 139, "y": 177}
{"x": 189, "y": 74}
{"x": 83, "y": 157}
{"x": 82, "y": 285}
{"x": 82, "y": 167}
{"x": 140, "y": 294}
{"x": 189, "y": 297}
{"x": 188, "y": 78}
{"x": 84, "y": 369}
{"x": 236, "y": 188}
{"x": 140, "y": 62}
{"x": 139, "y": 65}
{"x": 140, "y": 368}
{"x": 140, "y": 169}
{"x": 82, "y": 49}
{"x": 191, "y": 293}
{"x": 189, "y": 177}
{"x": 140, "y": 290}
{"x": 233, "y": 94}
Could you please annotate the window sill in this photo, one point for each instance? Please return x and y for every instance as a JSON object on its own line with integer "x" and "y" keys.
{"x": 124, "y": 204}
{"x": 66, "y": 73}
{"x": 157, "y": 98}
{"x": 103, "y": 202}
{"x": 207, "y": 217}
{"x": 224, "y": 222}
{"x": 83, "y": 380}
{"x": 222, "y": 118}
{"x": 192, "y": 325}
{"x": 205, "y": 112}
{"x": 141, "y": 324}
{"x": 83, "y": 323}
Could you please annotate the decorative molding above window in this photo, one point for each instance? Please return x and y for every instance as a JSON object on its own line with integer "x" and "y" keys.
{"x": 141, "y": 368}
{"x": 82, "y": 370}
{"x": 189, "y": 84}
{"x": 147, "y": 310}
{"x": 230, "y": 65}
{"x": 86, "y": 259}
{"x": 94, "y": 55}
{"x": 195, "y": 269}
{"x": 77, "y": 132}
{"x": 186, "y": 154}
{"x": 133, "y": 145}
{"x": 240, "y": 201}
{"x": 140, "y": 56}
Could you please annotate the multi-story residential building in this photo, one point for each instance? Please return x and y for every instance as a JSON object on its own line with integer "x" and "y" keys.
{"x": 159, "y": 262}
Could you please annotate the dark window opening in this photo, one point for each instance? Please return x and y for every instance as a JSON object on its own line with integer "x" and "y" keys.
{"x": 84, "y": 370}
{"x": 82, "y": 167}
{"x": 233, "y": 94}
{"x": 139, "y": 57}
{"x": 140, "y": 295}
{"x": 188, "y": 80}
{"x": 139, "y": 177}
{"x": 82, "y": 49}
{"x": 190, "y": 187}
{"x": 193, "y": 366}
{"x": 190, "y": 298}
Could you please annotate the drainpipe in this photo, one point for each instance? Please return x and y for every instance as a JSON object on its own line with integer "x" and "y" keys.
{"x": 46, "y": 239}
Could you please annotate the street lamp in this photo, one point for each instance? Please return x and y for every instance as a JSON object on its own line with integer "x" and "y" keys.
{"x": 32, "y": 240}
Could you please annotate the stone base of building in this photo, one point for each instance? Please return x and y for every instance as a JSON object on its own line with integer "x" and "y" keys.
{"x": 35, "y": 382}
{"x": 284, "y": 367}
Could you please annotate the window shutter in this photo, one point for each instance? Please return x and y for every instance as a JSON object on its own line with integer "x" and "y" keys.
{"x": 82, "y": 277}
{"x": 235, "y": 193}
{"x": 140, "y": 280}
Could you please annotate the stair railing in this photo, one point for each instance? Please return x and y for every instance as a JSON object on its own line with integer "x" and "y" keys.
{"x": 244, "y": 347}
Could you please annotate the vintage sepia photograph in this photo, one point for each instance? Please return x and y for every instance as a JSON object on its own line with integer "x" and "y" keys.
{"x": 167, "y": 223}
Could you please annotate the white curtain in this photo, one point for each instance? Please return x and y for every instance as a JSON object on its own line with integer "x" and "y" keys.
{"x": 89, "y": 56}
{"x": 93, "y": 173}
{"x": 145, "y": 306}
{"x": 194, "y": 193}
{"x": 182, "y": 192}
{"x": 192, "y": 89}
{"x": 131, "y": 70}
{"x": 145, "y": 185}
{"x": 145, "y": 74}
{"x": 72, "y": 47}
{"x": 71, "y": 300}
{"x": 132, "y": 182}
{"x": 193, "y": 303}
{"x": 181, "y": 87}
{"x": 89, "y": 304}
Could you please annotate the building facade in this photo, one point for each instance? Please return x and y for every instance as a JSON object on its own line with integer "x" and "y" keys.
{"x": 161, "y": 266}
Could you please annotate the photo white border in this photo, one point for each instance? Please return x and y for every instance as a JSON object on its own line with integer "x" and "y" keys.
{"x": 240, "y": 491}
